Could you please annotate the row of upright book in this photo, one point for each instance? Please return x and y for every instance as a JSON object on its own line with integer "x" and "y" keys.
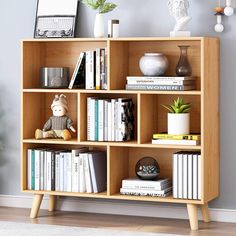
{"x": 90, "y": 71}
{"x": 138, "y": 187}
{"x": 110, "y": 119}
{"x": 187, "y": 171}
{"x": 78, "y": 170}
{"x": 163, "y": 83}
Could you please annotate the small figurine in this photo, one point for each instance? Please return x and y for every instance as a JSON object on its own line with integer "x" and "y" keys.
{"x": 179, "y": 10}
{"x": 58, "y": 125}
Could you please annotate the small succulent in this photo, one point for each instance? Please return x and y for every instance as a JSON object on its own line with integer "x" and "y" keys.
{"x": 101, "y": 5}
{"x": 178, "y": 106}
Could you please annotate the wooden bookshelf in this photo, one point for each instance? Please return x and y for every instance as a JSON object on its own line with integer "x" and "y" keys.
{"x": 150, "y": 117}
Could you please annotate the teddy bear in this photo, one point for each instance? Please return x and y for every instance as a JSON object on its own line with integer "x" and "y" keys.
{"x": 58, "y": 125}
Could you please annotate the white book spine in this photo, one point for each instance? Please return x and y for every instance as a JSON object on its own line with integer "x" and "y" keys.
{"x": 175, "y": 175}
{"x": 76, "y": 70}
{"x": 92, "y": 172}
{"x": 29, "y": 169}
{"x": 49, "y": 171}
{"x": 88, "y": 182}
{"x": 175, "y": 142}
{"x": 57, "y": 172}
{"x": 185, "y": 176}
{"x": 81, "y": 173}
{"x": 37, "y": 170}
{"x": 68, "y": 172}
{"x": 157, "y": 78}
{"x": 180, "y": 176}
{"x": 119, "y": 112}
{"x": 98, "y": 69}
{"x": 190, "y": 176}
{"x": 105, "y": 120}
{"x": 199, "y": 159}
{"x": 113, "y": 120}
{"x": 195, "y": 176}
{"x": 109, "y": 122}
{"x": 61, "y": 171}
{"x": 42, "y": 158}
{"x": 145, "y": 192}
{"x": 89, "y": 81}
{"x": 45, "y": 171}
{"x": 75, "y": 174}
{"x": 92, "y": 120}
{"x": 100, "y": 120}
{"x": 160, "y": 82}
{"x": 116, "y": 121}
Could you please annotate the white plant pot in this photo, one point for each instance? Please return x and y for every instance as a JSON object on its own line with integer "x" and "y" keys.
{"x": 178, "y": 124}
{"x": 99, "y": 26}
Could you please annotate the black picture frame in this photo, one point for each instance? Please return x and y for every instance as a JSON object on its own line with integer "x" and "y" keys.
{"x": 55, "y": 26}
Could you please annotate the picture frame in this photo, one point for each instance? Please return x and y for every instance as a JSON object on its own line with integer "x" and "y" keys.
{"x": 56, "y": 19}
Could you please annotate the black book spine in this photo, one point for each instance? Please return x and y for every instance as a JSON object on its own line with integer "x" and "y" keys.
{"x": 53, "y": 172}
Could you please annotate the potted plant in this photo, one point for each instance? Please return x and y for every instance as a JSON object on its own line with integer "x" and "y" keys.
{"x": 103, "y": 7}
{"x": 178, "y": 117}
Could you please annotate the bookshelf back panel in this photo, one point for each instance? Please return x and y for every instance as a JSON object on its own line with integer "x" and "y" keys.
{"x": 37, "y": 110}
{"x": 123, "y": 161}
{"x": 125, "y": 56}
{"x": 83, "y": 110}
{"x": 154, "y": 115}
{"x": 52, "y": 54}
{"x": 27, "y": 146}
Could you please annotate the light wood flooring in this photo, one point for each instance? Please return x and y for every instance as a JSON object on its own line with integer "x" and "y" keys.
{"x": 116, "y": 222}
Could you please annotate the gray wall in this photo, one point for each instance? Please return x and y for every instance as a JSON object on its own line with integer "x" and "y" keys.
{"x": 137, "y": 18}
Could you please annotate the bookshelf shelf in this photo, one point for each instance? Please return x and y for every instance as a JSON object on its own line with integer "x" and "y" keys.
{"x": 123, "y": 55}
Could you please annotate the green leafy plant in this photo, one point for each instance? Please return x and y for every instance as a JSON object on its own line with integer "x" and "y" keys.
{"x": 178, "y": 106}
{"x": 101, "y": 5}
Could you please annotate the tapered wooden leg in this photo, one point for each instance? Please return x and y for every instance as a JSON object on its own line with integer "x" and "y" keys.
{"x": 36, "y": 205}
{"x": 52, "y": 203}
{"x": 193, "y": 217}
{"x": 205, "y": 213}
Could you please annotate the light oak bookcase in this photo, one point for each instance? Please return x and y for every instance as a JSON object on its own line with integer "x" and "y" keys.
{"x": 151, "y": 117}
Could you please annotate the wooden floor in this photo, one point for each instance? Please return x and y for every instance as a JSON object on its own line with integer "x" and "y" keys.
{"x": 125, "y": 223}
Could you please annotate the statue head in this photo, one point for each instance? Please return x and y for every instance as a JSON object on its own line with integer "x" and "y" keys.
{"x": 178, "y": 8}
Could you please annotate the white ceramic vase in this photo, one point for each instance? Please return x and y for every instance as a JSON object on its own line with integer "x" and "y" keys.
{"x": 153, "y": 64}
{"x": 178, "y": 124}
{"x": 99, "y": 26}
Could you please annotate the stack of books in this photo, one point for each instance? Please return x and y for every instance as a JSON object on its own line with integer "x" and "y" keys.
{"x": 187, "y": 171}
{"x": 90, "y": 71}
{"x": 110, "y": 119}
{"x": 165, "y": 83}
{"x": 75, "y": 170}
{"x": 164, "y": 138}
{"x": 138, "y": 187}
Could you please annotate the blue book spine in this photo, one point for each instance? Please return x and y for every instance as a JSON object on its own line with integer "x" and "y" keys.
{"x": 33, "y": 170}
{"x": 96, "y": 120}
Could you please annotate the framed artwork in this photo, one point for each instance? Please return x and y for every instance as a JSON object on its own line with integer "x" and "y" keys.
{"x": 56, "y": 18}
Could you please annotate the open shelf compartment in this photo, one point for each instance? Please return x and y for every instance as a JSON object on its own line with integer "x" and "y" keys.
{"x": 153, "y": 116}
{"x": 125, "y": 56}
{"x": 37, "y": 110}
{"x": 52, "y": 54}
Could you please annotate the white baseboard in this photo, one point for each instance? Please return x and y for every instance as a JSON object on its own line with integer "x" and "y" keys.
{"x": 118, "y": 207}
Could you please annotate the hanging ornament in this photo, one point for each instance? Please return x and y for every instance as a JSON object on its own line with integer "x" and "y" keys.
{"x": 219, "y": 12}
{"x": 228, "y": 11}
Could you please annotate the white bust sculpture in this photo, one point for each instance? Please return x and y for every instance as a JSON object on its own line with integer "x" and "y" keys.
{"x": 179, "y": 10}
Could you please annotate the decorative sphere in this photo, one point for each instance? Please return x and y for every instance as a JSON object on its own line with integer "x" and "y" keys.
{"x": 147, "y": 168}
{"x": 219, "y": 28}
{"x": 229, "y": 11}
{"x": 153, "y": 64}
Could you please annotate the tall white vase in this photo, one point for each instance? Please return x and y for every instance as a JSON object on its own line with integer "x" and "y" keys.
{"x": 99, "y": 26}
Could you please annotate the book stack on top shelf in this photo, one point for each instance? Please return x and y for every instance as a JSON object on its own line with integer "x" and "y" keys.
{"x": 188, "y": 139}
{"x": 78, "y": 170}
{"x": 161, "y": 83}
{"x": 90, "y": 71}
{"x": 135, "y": 186}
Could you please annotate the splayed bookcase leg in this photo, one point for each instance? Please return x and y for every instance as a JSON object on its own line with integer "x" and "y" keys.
{"x": 193, "y": 217}
{"x": 52, "y": 203}
{"x": 36, "y": 205}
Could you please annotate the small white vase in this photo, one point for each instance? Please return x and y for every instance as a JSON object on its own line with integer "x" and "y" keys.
{"x": 178, "y": 124}
{"x": 99, "y": 26}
